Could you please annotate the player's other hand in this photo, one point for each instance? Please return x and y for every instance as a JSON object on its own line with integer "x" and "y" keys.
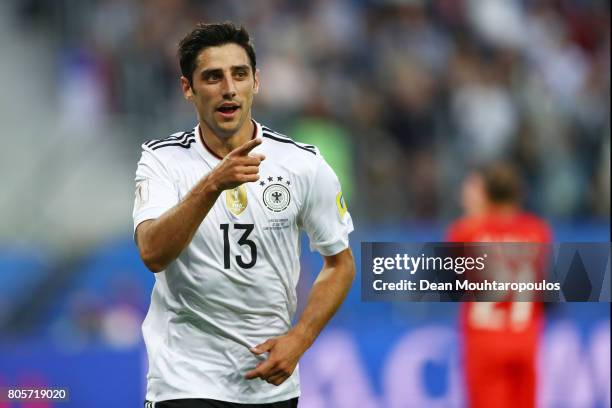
{"x": 238, "y": 167}
{"x": 284, "y": 353}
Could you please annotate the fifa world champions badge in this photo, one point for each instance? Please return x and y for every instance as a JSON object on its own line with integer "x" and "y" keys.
{"x": 236, "y": 199}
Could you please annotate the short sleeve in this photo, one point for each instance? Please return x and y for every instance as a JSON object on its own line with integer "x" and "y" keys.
{"x": 155, "y": 191}
{"x": 325, "y": 216}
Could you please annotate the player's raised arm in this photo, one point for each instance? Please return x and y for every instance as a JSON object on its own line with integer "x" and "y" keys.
{"x": 161, "y": 240}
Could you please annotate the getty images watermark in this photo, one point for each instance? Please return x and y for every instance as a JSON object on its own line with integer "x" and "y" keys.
{"x": 485, "y": 272}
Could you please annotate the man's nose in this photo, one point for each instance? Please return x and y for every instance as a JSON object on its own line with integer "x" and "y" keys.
{"x": 229, "y": 87}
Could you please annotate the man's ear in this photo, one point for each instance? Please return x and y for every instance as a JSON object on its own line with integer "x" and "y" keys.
{"x": 256, "y": 82}
{"x": 186, "y": 87}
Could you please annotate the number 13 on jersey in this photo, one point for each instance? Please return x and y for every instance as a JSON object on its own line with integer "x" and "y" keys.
{"x": 244, "y": 240}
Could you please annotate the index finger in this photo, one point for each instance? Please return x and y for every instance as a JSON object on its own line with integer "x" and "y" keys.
{"x": 246, "y": 148}
{"x": 260, "y": 371}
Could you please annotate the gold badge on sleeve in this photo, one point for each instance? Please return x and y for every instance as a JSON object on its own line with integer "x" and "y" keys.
{"x": 236, "y": 199}
{"x": 341, "y": 204}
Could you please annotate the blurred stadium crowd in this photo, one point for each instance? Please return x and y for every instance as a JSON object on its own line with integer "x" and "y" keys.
{"x": 401, "y": 96}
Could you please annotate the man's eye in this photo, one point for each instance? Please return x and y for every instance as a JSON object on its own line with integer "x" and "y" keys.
{"x": 213, "y": 77}
{"x": 241, "y": 74}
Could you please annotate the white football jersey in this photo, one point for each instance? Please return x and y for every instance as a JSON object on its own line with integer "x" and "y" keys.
{"x": 234, "y": 285}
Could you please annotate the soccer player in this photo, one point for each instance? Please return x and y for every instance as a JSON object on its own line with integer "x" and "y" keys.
{"x": 217, "y": 217}
{"x": 500, "y": 338}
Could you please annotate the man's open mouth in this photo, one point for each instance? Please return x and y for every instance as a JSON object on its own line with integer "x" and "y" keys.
{"x": 228, "y": 109}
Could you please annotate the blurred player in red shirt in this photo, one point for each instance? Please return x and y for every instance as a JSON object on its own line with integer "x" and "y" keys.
{"x": 500, "y": 339}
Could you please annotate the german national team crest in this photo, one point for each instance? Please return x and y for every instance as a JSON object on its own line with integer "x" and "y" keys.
{"x": 236, "y": 199}
{"x": 276, "y": 195}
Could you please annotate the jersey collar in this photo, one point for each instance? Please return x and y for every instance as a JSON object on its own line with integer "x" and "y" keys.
{"x": 207, "y": 153}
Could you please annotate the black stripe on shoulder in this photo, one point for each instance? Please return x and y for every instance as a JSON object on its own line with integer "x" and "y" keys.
{"x": 283, "y": 140}
{"x": 274, "y": 133}
{"x": 177, "y": 138}
{"x": 181, "y": 139}
{"x": 186, "y": 143}
{"x": 154, "y": 142}
{"x": 280, "y": 135}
